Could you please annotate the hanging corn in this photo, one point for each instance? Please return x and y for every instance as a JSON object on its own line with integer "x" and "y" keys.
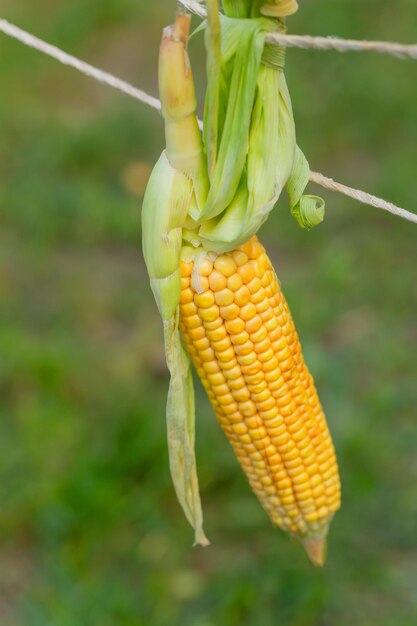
{"x": 217, "y": 293}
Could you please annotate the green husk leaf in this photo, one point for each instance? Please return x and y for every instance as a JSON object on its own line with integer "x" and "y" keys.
{"x": 237, "y": 8}
{"x": 181, "y": 429}
{"x": 213, "y": 47}
{"x": 308, "y": 210}
{"x": 165, "y": 207}
{"x": 167, "y": 201}
{"x": 243, "y": 43}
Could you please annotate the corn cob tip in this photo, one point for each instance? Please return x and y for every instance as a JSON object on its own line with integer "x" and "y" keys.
{"x": 316, "y": 549}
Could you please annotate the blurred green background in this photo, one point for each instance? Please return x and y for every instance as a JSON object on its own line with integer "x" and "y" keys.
{"x": 90, "y": 530}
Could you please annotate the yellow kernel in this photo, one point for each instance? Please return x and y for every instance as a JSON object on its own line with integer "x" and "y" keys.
{"x": 258, "y": 433}
{"x": 248, "y": 311}
{"x": 230, "y": 312}
{"x": 227, "y": 356}
{"x": 217, "y": 334}
{"x": 253, "y": 368}
{"x": 216, "y": 379}
{"x": 237, "y": 383}
{"x": 262, "y": 346}
{"x": 242, "y": 296}
{"x": 259, "y": 267}
{"x": 186, "y": 269}
{"x": 193, "y": 321}
{"x": 224, "y": 399}
{"x": 272, "y": 326}
{"x": 240, "y": 257}
{"x": 246, "y": 272}
{"x": 234, "y": 282}
{"x": 253, "y": 325}
{"x": 275, "y": 380}
{"x": 188, "y": 309}
{"x": 274, "y": 460}
{"x": 266, "y": 356}
{"x": 240, "y": 339}
{"x": 220, "y": 346}
{"x": 185, "y": 282}
{"x": 323, "y": 511}
{"x": 221, "y": 390}
{"x": 209, "y": 315}
{"x": 196, "y": 333}
{"x": 202, "y": 344}
{"x": 204, "y": 300}
{"x": 318, "y": 491}
{"x": 247, "y": 359}
{"x": 263, "y": 306}
{"x": 301, "y": 479}
{"x": 225, "y": 265}
{"x": 207, "y": 355}
{"x": 256, "y": 249}
{"x": 230, "y": 409}
{"x": 258, "y": 386}
{"x": 205, "y": 267}
{"x": 279, "y": 344}
{"x": 224, "y": 297}
{"x": 244, "y": 348}
{"x": 271, "y": 366}
{"x": 217, "y": 281}
{"x": 254, "y": 285}
{"x": 233, "y": 373}
{"x": 186, "y": 295}
{"x": 235, "y": 417}
{"x": 266, "y": 279}
{"x": 258, "y": 296}
{"x": 240, "y": 429}
{"x": 235, "y": 326}
{"x": 211, "y": 367}
{"x": 270, "y": 451}
{"x": 241, "y": 395}
{"x": 313, "y": 469}
{"x": 283, "y": 397}
{"x": 203, "y": 283}
{"x": 228, "y": 361}
{"x": 246, "y": 247}
{"x": 247, "y": 409}
{"x": 266, "y": 315}
{"x": 261, "y": 396}
{"x": 285, "y": 365}
{"x": 255, "y": 422}
{"x": 255, "y": 379}
{"x": 216, "y": 323}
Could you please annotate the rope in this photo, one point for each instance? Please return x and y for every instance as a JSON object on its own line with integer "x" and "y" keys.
{"x": 344, "y": 45}
{"x": 399, "y": 50}
{"x": 194, "y": 7}
{"x": 362, "y": 196}
{"x": 112, "y": 81}
{"x": 85, "y": 68}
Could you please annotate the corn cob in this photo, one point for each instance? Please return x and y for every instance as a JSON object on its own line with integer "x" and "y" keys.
{"x": 214, "y": 283}
{"x": 242, "y": 340}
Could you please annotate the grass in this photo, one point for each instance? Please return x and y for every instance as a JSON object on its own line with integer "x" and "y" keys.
{"x": 90, "y": 531}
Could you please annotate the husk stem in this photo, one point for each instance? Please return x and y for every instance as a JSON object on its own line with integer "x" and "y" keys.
{"x": 184, "y": 146}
